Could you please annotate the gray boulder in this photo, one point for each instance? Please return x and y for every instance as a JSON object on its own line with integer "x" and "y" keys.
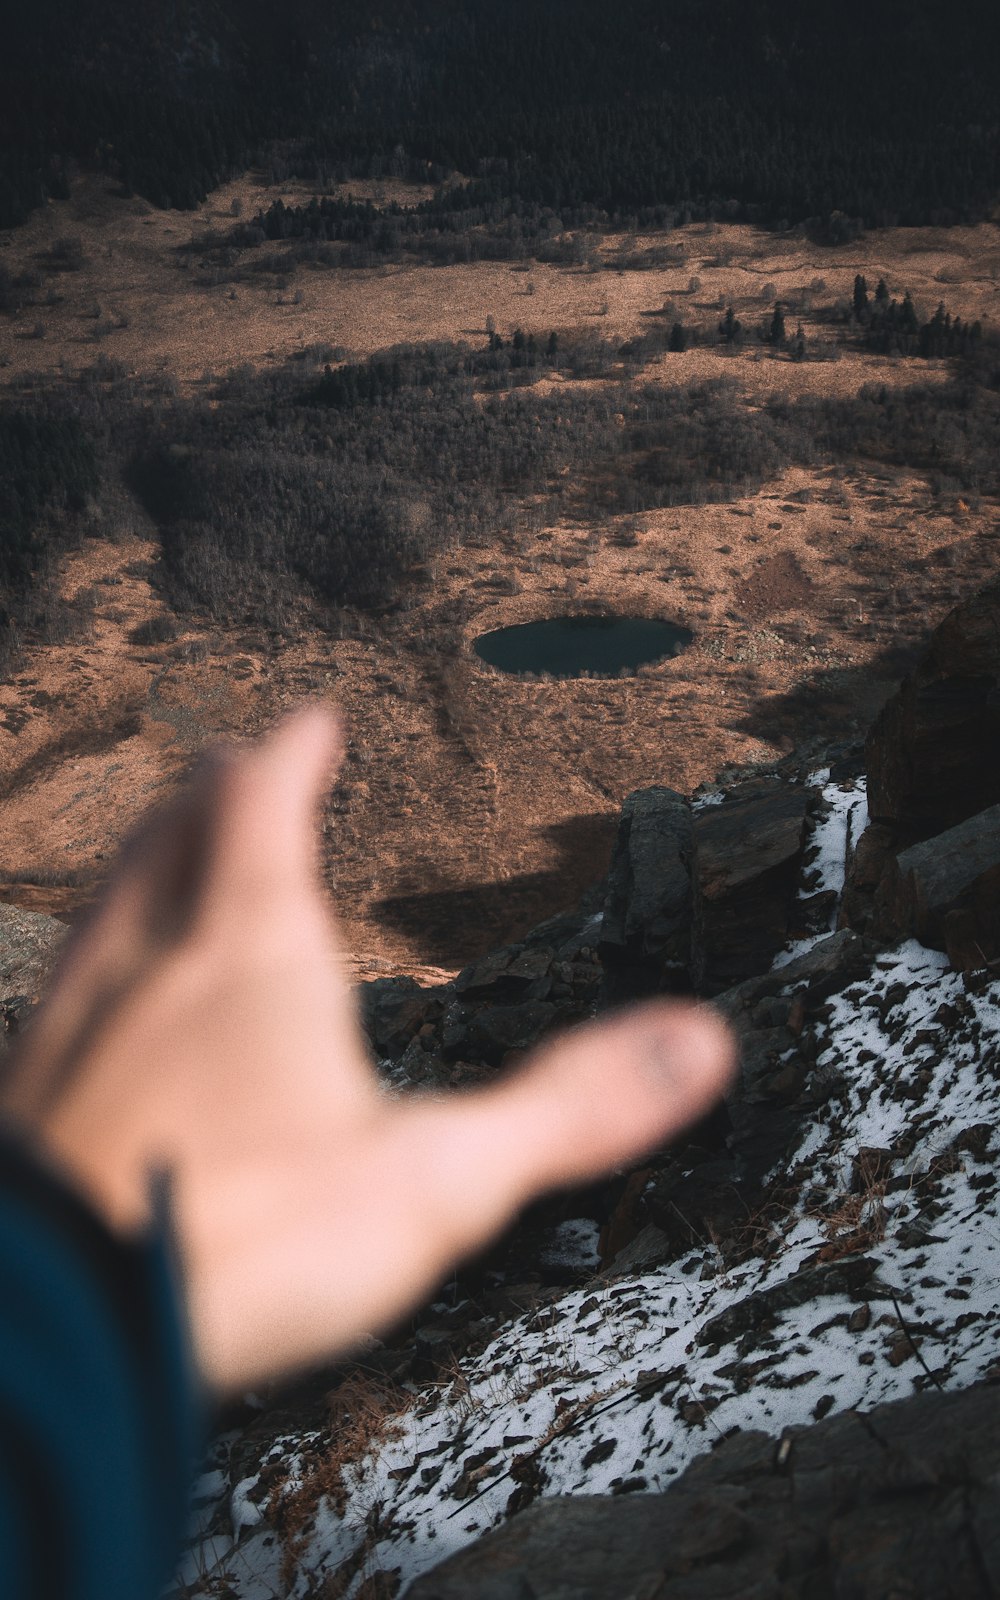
{"x": 29, "y": 947}
{"x": 933, "y": 755}
{"x": 945, "y": 892}
{"x": 503, "y": 974}
{"x": 495, "y": 1030}
{"x": 748, "y": 852}
{"x": 392, "y": 1010}
{"x": 902, "y": 1501}
{"x": 504, "y": 1000}
{"x": 645, "y": 938}
{"x": 826, "y": 968}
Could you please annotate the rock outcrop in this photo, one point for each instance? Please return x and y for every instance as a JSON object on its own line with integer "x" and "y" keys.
{"x": 645, "y": 940}
{"x": 29, "y": 946}
{"x": 748, "y": 852}
{"x": 902, "y": 1501}
{"x": 926, "y": 865}
{"x": 945, "y": 892}
{"x": 498, "y": 1006}
{"x": 392, "y": 1011}
{"x": 698, "y": 902}
{"x": 933, "y": 755}
{"x": 776, "y": 1017}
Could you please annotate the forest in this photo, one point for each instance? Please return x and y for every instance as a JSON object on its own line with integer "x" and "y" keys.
{"x": 840, "y": 116}
{"x": 48, "y": 470}
{"x": 337, "y": 486}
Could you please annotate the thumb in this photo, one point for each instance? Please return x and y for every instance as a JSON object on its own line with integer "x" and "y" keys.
{"x": 264, "y": 796}
{"x": 597, "y": 1097}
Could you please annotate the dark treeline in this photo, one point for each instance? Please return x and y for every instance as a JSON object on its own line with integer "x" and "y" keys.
{"x": 338, "y": 486}
{"x": 377, "y": 380}
{"x": 289, "y": 488}
{"x": 701, "y": 444}
{"x": 474, "y": 221}
{"x": 893, "y": 328}
{"x": 844, "y": 113}
{"x": 48, "y": 469}
{"x": 949, "y": 433}
{"x": 280, "y": 488}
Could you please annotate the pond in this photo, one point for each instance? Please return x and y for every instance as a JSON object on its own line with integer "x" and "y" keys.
{"x": 568, "y": 647}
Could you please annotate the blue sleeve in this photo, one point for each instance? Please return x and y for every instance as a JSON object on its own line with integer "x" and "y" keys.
{"x": 100, "y": 1415}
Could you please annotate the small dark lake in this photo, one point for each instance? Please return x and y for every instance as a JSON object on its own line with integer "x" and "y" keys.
{"x": 567, "y": 647}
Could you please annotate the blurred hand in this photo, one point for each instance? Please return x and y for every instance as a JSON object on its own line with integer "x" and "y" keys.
{"x": 201, "y": 1024}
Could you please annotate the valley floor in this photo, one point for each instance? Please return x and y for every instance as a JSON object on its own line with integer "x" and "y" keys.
{"x": 473, "y": 804}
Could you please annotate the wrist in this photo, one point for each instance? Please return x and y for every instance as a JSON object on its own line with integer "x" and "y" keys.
{"x": 113, "y": 1185}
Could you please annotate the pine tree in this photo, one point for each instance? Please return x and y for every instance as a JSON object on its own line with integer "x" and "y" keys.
{"x": 860, "y": 297}
{"x": 777, "y": 330}
{"x": 678, "y": 338}
{"x": 934, "y": 334}
{"x": 729, "y": 327}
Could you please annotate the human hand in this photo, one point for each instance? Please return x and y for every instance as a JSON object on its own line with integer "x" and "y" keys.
{"x": 202, "y": 1025}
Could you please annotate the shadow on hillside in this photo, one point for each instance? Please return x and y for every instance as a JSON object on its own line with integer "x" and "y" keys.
{"x": 831, "y": 702}
{"x": 453, "y": 923}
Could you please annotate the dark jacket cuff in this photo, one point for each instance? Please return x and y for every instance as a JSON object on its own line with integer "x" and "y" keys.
{"x": 101, "y": 1418}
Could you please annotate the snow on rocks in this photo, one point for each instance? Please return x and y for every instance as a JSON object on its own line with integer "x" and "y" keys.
{"x": 840, "y": 821}
{"x": 573, "y": 1243}
{"x": 870, "y": 1270}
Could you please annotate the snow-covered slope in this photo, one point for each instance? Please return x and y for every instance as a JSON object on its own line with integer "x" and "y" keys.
{"x": 873, "y": 1270}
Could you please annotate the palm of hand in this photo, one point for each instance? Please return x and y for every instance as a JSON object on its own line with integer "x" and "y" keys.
{"x": 203, "y": 1026}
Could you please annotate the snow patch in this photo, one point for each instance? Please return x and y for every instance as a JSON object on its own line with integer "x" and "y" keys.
{"x": 572, "y": 1244}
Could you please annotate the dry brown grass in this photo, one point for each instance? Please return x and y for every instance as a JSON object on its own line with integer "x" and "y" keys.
{"x": 363, "y": 1413}
{"x": 473, "y": 804}
{"x": 858, "y": 1223}
{"x": 156, "y": 317}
